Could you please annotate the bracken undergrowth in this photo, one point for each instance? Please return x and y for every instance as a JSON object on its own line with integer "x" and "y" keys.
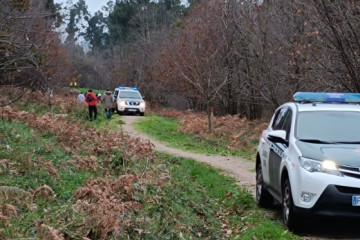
{"x": 101, "y": 200}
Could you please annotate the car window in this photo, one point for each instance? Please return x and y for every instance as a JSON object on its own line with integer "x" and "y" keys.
{"x": 116, "y": 94}
{"x": 329, "y": 126}
{"x": 129, "y": 94}
{"x": 287, "y": 123}
{"x": 279, "y": 119}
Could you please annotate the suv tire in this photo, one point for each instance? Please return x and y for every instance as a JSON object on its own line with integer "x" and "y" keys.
{"x": 290, "y": 219}
{"x": 263, "y": 197}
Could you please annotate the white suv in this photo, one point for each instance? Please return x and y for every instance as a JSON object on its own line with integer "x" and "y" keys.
{"x": 308, "y": 159}
{"x": 128, "y": 100}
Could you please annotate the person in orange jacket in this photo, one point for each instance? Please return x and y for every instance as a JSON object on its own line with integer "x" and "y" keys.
{"x": 91, "y": 100}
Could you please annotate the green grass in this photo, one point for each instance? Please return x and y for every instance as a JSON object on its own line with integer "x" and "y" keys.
{"x": 102, "y": 122}
{"x": 96, "y": 91}
{"x": 166, "y": 130}
{"x": 267, "y": 230}
{"x": 38, "y": 108}
{"x": 199, "y": 200}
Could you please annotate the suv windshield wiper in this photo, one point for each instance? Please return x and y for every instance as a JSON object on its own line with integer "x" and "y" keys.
{"x": 314, "y": 141}
{"x": 327, "y": 142}
{"x": 347, "y": 142}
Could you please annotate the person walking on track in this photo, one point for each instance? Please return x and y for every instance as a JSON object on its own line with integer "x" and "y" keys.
{"x": 91, "y": 100}
{"x": 108, "y": 103}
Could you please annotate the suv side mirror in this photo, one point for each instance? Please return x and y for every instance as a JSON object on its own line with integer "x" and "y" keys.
{"x": 278, "y": 136}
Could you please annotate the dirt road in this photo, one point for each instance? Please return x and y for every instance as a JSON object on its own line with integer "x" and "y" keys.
{"x": 242, "y": 170}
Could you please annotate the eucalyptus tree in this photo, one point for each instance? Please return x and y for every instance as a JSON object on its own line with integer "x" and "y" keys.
{"x": 77, "y": 16}
{"x": 119, "y": 20}
{"x": 96, "y": 32}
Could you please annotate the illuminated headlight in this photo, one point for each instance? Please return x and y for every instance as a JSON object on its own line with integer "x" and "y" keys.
{"x": 326, "y": 166}
{"x": 142, "y": 104}
{"x": 122, "y": 103}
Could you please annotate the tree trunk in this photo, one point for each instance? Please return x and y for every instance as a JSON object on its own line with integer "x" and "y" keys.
{"x": 208, "y": 111}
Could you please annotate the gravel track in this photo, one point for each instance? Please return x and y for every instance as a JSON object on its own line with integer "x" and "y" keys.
{"x": 242, "y": 170}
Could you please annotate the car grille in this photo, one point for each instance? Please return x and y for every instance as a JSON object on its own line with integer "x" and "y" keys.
{"x": 348, "y": 190}
{"x": 133, "y": 103}
{"x": 350, "y": 171}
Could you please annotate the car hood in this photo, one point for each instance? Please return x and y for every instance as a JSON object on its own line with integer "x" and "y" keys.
{"x": 342, "y": 154}
{"x": 131, "y": 99}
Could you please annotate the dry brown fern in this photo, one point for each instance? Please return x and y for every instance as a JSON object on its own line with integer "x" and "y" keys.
{"x": 45, "y": 232}
{"x": 44, "y": 192}
{"x": 14, "y": 195}
{"x": 85, "y": 163}
{"x": 74, "y": 137}
{"x": 108, "y": 204}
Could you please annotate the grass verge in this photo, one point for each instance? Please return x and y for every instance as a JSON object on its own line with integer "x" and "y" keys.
{"x": 200, "y": 202}
{"x": 166, "y": 130}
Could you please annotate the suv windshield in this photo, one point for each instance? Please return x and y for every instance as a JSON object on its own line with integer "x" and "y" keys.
{"x": 129, "y": 94}
{"x": 328, "y": 127}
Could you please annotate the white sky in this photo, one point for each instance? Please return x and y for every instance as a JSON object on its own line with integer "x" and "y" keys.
{"x": 93, "y": 5}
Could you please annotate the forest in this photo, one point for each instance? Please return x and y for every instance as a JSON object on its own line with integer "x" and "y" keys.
{"x": 238, "y": 57}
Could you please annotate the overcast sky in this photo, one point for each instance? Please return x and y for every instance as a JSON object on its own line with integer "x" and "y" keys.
{"x": 93, "y": 5}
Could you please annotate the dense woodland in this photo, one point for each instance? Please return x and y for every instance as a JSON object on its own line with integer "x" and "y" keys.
{"x": 240, "y": 57}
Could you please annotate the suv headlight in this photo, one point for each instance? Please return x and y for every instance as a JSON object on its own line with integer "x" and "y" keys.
{"x": 142, "y": 104}
{"x": 326, "y": 166}
{"x": 122, "y": 103}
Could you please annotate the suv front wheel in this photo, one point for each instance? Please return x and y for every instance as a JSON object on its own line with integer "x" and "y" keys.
{"x": 290, "y": 219}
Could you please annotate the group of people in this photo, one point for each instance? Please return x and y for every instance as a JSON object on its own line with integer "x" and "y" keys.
{"x": 92, "y": 100}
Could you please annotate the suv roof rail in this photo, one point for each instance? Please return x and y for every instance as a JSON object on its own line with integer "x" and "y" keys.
{"x": 326, "y": 97}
